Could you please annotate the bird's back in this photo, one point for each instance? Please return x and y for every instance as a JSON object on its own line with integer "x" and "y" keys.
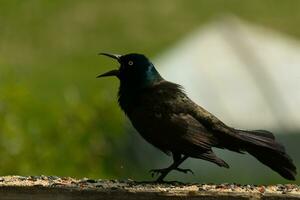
{"x": 150, "y": 98}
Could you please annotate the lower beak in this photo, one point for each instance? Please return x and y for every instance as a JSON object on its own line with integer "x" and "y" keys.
{"x": 114, "y": 72}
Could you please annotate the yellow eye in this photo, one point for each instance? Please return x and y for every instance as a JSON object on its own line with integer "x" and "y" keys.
{"x": 130, "y": 63}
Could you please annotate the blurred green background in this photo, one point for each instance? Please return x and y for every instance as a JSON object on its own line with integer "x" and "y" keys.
{"x": 56, "y": 118}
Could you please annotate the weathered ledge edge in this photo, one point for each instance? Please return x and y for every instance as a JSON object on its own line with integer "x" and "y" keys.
{"x": 52, "y": 187}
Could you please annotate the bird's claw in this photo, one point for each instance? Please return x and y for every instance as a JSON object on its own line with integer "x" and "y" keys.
{"x": 156, "y": 172}
{"x": 184, "y": 170}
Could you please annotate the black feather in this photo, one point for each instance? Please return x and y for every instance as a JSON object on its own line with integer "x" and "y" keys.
{"x": 262, "y": 145}
{"x": 163, "y": 114}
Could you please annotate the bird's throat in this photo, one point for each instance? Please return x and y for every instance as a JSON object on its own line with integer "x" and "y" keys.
{"x": 133, "y": 85}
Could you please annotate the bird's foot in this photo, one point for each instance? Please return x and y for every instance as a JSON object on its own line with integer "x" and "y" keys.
{"x": 156, "y": 172}
{"x": 184, "y": 170}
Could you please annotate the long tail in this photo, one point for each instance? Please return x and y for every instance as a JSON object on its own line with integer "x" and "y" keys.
{"x": 263, "y": 146}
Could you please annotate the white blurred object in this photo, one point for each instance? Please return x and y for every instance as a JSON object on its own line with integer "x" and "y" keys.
{"x": 246, "y": 75}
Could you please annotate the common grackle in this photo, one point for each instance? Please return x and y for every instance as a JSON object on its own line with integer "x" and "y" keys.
{"x": 165, "y": 116}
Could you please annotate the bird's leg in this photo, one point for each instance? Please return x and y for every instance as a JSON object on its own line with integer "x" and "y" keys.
{"x": 177, "y": 160}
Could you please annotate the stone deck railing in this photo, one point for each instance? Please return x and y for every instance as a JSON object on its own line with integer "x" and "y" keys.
{"x": 52, "y": 187}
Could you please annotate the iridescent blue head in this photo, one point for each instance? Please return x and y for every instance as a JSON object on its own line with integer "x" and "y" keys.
{"x": 135, "y": 71}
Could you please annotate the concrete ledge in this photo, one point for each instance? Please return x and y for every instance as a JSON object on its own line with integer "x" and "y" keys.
{"x": 52, "y": 187}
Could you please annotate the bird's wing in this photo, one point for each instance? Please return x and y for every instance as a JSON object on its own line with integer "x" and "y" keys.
{"x": 207, "y": 119}
{"x": 178, "y": 103}
{"x": 195, "y": 124}
{"x": 185, "y": 129}
{"x": 171, "y": 98}
{"x": 187, "y": 136}
{"x": 226, "y": 136}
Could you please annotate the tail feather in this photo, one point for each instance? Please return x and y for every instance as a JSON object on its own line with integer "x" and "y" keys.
{"x": 262, "y": 145}
{"x": 262, "y": 133}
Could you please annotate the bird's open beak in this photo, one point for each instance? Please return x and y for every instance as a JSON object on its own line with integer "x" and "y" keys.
{"x": 114, "y": 72}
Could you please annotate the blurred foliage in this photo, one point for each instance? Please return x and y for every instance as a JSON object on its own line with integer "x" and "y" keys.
{"x": 55, "y": 116}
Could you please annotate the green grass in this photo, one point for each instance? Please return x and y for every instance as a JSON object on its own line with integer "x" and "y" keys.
{"x": 55, "y": 116}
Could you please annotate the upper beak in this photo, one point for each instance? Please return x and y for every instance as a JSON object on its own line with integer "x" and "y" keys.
{"x": 114, "y": 72}
{"x": 114, "y": 56}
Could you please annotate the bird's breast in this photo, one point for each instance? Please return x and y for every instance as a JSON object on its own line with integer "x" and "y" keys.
{"x": 150, "y": 110}
{"x": 149, "y": 125}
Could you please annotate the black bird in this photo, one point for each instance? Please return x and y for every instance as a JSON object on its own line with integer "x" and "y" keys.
{"x": 165, "y": 116}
